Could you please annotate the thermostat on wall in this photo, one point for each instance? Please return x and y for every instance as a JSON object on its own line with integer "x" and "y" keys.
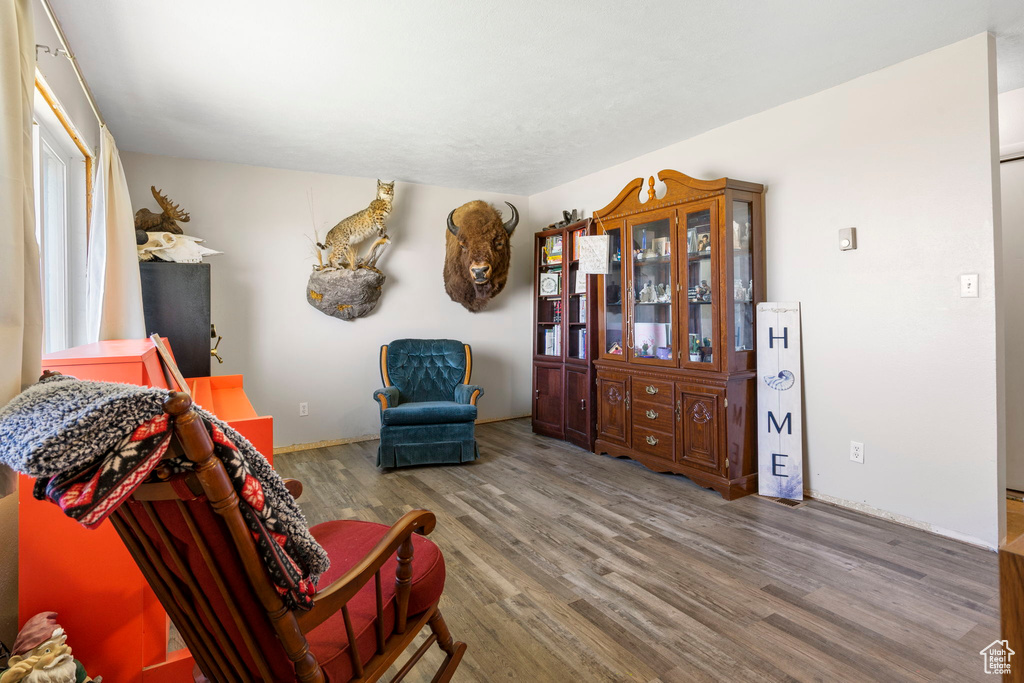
{"x": 847, "y": 239}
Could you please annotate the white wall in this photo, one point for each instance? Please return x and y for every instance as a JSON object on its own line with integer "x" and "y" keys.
{"x": 1011, "y": 122}
{"x": 290, "y": 352}
{"x": 892, "y": 356}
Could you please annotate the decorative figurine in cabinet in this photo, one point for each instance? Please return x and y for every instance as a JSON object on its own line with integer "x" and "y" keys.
{"x": 564, "y": 312}
{"x": 675, "y": 364}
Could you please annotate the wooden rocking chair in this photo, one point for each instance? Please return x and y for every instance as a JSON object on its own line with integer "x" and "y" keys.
{"x": 194, "y": 548}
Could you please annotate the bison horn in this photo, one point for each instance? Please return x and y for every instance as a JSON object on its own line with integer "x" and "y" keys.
{"x": 452, "y": 228}
{"x": 510, "y": 224}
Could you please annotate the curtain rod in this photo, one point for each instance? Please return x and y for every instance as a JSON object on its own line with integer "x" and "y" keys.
{"x": 74, "y": 62}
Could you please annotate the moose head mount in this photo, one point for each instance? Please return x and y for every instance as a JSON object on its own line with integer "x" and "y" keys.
{"x": 477, "y": 253}
{"x": 166, "y": 220}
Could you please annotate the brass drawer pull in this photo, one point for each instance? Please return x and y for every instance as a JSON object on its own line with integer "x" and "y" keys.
{"x": 652, "y": 441}
{"x": 651, "y": 414}
{"x": 651, "y": 389}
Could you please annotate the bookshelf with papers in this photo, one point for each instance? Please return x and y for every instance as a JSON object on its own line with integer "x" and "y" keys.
{"x": 563, "y": 338}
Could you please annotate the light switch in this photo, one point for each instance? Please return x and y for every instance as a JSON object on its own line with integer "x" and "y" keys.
{"x": 847, "y": 239}
{"x": 969, "y": 285}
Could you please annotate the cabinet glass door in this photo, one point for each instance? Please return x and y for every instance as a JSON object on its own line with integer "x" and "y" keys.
{"x": 701, "y": 240}
{"x": 576, "y": 308}
{"x": 743, "y": 276}
{"x": 651, "y": 338}
{"x": 549, "y": 299}
{"x": 613, "y": 295}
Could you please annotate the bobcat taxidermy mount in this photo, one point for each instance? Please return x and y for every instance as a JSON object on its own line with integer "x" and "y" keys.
{"x": 343, "y": 237}
{"x": 166, "y": 221}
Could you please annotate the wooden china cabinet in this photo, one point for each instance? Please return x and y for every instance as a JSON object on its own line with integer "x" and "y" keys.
{"x": 676, "y": 382}
{"x": 564, "y": 311}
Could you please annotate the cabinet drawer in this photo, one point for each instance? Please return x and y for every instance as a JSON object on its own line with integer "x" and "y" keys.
{"x": 653, "y": 416}
{"x": 652, "y": 442}
{"x": 652, "y": 391}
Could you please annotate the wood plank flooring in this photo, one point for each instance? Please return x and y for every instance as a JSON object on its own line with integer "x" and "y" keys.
{"x": 569, "y": 567}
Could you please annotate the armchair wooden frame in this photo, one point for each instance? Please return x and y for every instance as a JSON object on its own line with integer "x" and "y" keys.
{"x": 178, "y": 589}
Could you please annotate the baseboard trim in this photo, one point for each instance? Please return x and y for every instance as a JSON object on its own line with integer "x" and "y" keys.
{"x": 365, "y": 437}
{"x": 323, "y": 444}
{"x": 502, "y": 419}
{"x": 898, "y": 519}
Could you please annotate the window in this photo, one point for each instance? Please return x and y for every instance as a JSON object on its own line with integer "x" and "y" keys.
{"x": 61, "y": 226}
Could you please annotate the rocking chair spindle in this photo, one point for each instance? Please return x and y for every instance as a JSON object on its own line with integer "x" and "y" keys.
{"x": 192, "y": 544}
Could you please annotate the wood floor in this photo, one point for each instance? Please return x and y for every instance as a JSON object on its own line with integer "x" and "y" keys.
{"x": 571, "y": 567}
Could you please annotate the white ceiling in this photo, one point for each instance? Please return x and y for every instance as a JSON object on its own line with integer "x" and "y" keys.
{"x": 512, "y": 96}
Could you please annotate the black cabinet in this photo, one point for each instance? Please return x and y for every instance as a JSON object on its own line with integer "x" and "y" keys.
{"x": 176, "y": 302}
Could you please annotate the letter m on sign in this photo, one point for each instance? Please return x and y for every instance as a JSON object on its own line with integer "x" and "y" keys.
{"x": 787, "y": 422}
{"x": 779, "y": 401}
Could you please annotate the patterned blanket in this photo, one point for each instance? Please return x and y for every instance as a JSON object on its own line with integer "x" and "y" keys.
{"x": 91, "y": 444}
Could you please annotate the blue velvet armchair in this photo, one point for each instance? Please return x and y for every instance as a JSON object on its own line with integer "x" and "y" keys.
{"x": 427, "y": 405}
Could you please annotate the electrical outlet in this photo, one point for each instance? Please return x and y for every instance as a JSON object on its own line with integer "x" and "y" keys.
{"x": 303, "y": 409}
{"x": 857, "y": 452}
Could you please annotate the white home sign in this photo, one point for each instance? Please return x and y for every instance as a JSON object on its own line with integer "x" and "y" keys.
{"x": 780, "y": 444}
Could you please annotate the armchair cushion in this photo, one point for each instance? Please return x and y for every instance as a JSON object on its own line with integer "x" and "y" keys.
{"x": 347, "y": 542}
{"x": 425, "y": 369}
{"x": 464, "y": 393}
{"x": 387, "y": 397}
{"x": 428, "y": 413}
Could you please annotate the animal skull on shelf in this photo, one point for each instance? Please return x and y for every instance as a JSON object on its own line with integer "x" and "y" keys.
{"x": 174, "y": 248}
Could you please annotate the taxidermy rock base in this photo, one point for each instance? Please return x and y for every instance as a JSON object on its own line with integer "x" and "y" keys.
{"x": 345, "y": 294}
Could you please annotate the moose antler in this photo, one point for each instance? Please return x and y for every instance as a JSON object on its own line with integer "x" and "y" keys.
{"x": 172, "y": 210}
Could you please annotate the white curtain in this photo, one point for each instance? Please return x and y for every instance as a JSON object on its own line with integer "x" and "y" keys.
{"x": 115, "y": 290}
{"x": 21, "y": 308}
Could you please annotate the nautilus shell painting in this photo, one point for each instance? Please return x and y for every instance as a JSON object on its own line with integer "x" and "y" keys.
{"x": 780, "y": 382}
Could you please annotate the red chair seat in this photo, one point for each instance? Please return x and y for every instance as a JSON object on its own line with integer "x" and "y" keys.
{"x": 347, "y": 542}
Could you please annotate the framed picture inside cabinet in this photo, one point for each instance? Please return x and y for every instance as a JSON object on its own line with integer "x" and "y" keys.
{"x": 550, "y": 284}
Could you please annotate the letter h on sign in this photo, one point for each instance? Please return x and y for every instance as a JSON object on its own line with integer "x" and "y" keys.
{"x": 772, "y": 337}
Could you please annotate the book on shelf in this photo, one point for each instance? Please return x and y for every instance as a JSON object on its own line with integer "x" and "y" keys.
{"x": 553, "y": 249}
{"x": 553, "y": 340}
{"x": 581, "y": 349}
{"x": 581, "y": 282}
{"x": 576, "y": 235}
{"x": 558, "y": 311}
{"x": 583, "y": 308}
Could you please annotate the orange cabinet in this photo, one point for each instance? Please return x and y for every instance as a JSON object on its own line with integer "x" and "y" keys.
{"x": 117, "y": 626}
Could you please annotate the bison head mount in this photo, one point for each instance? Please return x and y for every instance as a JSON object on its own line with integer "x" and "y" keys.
{"x": 477, "y": 253}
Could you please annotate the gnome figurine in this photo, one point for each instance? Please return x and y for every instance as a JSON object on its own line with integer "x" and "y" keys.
{"x": 41, "y": 655}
